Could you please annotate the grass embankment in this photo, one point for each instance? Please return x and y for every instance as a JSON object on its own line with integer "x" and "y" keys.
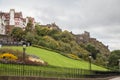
{"x": 56, "y": 59}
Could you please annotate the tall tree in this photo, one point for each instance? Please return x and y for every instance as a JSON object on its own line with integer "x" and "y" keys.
{"x": 17, "y": 33}
{"x": 29, "y": 27}
{"x": 113, "y": 59}
{"x": 92, "y": 50}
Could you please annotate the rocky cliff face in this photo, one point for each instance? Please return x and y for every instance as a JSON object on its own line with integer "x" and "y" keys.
{"x": 86, "y": 39}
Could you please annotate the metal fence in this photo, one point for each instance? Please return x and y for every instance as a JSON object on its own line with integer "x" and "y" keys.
{"x": 40, "y": 71}
{"x": 49, "y": 71}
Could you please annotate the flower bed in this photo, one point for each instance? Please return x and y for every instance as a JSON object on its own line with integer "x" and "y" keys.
{"x": 16, "y": 57}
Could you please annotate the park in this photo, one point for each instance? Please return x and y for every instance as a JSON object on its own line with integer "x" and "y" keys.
{"x": 58, "y": 66}
{"x": 59, "y": 40}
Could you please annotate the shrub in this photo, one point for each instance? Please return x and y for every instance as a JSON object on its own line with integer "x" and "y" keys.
{"x": 73, "y": 56}
{"x": 14, "y": 52}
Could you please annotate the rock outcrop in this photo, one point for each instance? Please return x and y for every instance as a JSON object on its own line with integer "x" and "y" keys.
{"x": 86, "y": 39}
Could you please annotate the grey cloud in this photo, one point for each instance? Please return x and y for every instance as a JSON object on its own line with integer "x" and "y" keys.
{"x": 100, "y": 17}
{"x": 98, "y": 12}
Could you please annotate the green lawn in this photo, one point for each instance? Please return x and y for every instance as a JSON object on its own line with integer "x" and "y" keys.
{"x": 56, "y": 59}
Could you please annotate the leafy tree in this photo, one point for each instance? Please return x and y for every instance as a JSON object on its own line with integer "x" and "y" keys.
{"x": 42, "y": 31}
{"x": 57, "y": 36}
{"x": 113, "y": 59}
{"x": 64, "y": 47}
{"x": 92, "y": 50}
{"x": 29, "y": 37}
{"x": 29, "y": 27}
{"x": 51, "y": 32}
{"x": 101, "y": 60}
{"x": 50, "y": 42}
{"x": 17, "y": 33}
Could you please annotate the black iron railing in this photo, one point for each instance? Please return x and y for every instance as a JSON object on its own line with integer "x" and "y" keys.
{"x": 50, "y": 71}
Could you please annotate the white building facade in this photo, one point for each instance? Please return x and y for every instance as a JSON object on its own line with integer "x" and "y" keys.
{"x": 12, "y": 18}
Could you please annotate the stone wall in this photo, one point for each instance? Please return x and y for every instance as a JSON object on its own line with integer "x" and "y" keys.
{"x": 29, "y": 78}
{"x": 39, "y": 78}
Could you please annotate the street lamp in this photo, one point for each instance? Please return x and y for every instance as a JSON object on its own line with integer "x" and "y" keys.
{"x": 24, "y": 48}
{"x": 90, "y": 61}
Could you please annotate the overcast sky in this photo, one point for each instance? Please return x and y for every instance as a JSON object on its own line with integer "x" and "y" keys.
{"x": 99, "y": 17}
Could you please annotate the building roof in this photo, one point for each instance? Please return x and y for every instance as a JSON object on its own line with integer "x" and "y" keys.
{"x": 7, "y": 14}
{"x": 18, "y": 15}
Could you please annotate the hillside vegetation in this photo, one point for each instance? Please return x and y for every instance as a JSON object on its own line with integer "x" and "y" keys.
{"x": 71, "y": 45}
{"x": 56, "y": 59}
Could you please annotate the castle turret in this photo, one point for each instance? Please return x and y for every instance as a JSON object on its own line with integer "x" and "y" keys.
{"x": 12, "y": 14}
{"x": 2, "y": 24}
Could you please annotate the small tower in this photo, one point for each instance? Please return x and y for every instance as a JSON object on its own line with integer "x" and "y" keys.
{"x": 2, "y": 24}
{"x": 12, "y": 15}
{"x": 87, "y": 34}
{"x": 26, "y": 22}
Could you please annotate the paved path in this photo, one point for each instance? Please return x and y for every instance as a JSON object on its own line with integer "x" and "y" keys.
{"x": 117, "y": 78}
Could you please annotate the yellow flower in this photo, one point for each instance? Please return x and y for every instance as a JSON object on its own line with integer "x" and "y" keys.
{"x": 8, "y": 56}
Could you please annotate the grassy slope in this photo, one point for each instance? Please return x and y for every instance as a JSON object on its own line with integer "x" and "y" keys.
{"x": 56, "y": 59}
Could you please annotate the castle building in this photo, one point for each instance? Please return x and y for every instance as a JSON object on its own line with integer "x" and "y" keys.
{"x": 11, "y": 19}
{"x": 52, "y": 26}
{"x": 85, "y": 37}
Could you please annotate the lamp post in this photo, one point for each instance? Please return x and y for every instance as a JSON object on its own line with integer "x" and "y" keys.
{"x": 24, "y": 48}
{"x": 90, "y": 62}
